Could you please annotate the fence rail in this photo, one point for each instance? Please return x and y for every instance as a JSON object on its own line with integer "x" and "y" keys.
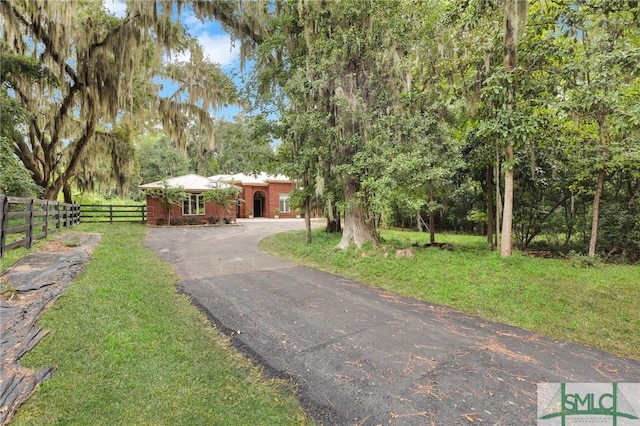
{"x": 112, "y": 213}
{"x": 25, "y": 220}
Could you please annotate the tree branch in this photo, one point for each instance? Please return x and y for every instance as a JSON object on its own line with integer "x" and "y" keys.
{"x": 39, "y": 32}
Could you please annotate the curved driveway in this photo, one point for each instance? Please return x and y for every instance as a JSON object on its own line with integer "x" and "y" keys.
{"x": 365, "y": 356}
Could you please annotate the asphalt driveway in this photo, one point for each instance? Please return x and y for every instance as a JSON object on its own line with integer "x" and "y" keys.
{"x": 365, "y": 356}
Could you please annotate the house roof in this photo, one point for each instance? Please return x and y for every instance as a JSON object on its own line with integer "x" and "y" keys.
{"x": 261, "y": 179}
{"x": 190, "y": 182}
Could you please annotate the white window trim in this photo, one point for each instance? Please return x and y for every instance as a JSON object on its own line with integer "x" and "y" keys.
{"x": 284, "y": 202}
{"x": 200, "y": 211}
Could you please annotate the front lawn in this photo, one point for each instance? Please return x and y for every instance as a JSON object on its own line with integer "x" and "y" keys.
{"x": 130, "y": 350}
{"x": 595, "y": 306}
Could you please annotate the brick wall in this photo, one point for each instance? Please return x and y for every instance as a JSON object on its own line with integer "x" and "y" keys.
{"x": 156, "y": 212}
{"x": 271, "y": 200}
{"x": 274, "y": 191}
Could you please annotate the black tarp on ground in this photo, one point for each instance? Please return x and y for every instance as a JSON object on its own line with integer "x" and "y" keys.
{"x": 31, "y": 285}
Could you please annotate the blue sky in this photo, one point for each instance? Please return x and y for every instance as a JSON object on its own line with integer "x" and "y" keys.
{"x": 216, "y": 45}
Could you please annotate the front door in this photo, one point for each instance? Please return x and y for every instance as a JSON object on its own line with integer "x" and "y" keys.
{"x": 258, "y": 204}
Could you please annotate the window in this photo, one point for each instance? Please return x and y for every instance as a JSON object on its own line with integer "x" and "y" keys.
{"x": 193, "y": 204}
{"x": 284, "y": 203}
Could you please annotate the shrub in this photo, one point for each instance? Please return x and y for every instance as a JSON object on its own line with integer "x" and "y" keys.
{"x": 578, "y": 260}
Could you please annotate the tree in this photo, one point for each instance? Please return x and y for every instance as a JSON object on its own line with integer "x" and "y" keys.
{"x": 103, "y": 69}
{"x": 515, "y": 16}
{"x": 110, "y": 164}
{"x": 498, "y": 120}
{"x": 597, "y": 92}
{"x": 335, "y": 64}
{"x": 14, "y": 178}
{"x": 160, "y": 158}
{"x": 168, "y": 196}
{"x": 223, "y": 197}
{"x": 242, "y": 146}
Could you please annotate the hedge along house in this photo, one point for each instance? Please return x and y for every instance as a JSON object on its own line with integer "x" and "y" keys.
{"x": 262, "y": 194}
{"x": 193, "y": 207}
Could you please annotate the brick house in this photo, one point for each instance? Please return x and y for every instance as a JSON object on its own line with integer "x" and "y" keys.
{"x": 261, "y": 194}
{"x": 192, "y": 207}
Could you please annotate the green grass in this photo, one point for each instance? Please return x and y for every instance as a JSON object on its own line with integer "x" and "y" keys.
{"x": 130, "y": 350}
{"x": 595, "y": 306}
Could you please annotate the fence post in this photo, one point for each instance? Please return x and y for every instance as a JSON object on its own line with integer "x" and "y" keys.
{"x": 57, "y": 216}
{"x": 4, "y": 209}
{"x": 110, "y": 213}
{"x": 46, "y": 218}
{"x": 29, "y": 235}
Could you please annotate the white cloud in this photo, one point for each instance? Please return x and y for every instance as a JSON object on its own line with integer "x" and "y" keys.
{"x": 115, "y": 7}
{"x": 218, "y": 48}
{"x": 190, "y": 21}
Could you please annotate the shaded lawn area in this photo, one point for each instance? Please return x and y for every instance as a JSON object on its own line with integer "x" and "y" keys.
{"x": 595, "y": 306}
{"x": 130, "y": 350}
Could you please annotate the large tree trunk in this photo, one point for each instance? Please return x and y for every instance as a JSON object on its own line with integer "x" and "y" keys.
{"x": 596, "y": 214}
{"x": 506, "y": 246}
{"x": 66, "y": 190}
{"x": 358, "y": 226}
{"x": 599, "y": 187}
{"x": 498, "y": 200}
{"x": 54, "y": 186}
{"x": 514, "y": 16}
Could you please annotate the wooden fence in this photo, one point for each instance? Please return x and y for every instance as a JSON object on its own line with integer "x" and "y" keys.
{"x": 25, "y": 220}
{"x": 111, "y": 213}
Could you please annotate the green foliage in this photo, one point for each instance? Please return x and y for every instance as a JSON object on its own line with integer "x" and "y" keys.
{"x": 224, "y": 197}
{"x": 168, "y": 196}
{"x": 100, "y": 199}
{"x": 15, "y": 180}
{"x": 579, "y": 260}
{"x": 74, "y": 101}
{"x": 242, "y": 146}
{"x": 15, "y": 65}
{"x": 160, "y": 159}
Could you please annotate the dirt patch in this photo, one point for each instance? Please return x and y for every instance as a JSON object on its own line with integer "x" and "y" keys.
{"x": 28, "y": 289}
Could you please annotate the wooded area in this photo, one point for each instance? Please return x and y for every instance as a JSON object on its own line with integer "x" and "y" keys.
{"x": 518, "y": 119}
